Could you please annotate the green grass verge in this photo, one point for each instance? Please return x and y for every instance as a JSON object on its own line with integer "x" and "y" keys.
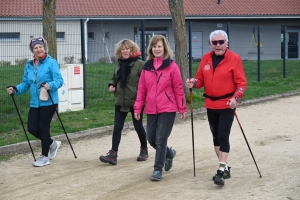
{"x": 100, "y": 102}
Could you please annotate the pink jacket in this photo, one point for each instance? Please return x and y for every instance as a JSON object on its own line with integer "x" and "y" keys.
{"x": 162, "y": 89}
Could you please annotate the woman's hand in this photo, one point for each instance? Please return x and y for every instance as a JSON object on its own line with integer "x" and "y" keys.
{"x": 183, "y": 115}
{"x": 137, "y": 116}
{"x": 112, "y": 88}
{"x": 10, "y": 90}
{"x": 46, "y": 86}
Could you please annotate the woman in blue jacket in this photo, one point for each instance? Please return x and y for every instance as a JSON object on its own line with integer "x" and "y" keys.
{"x": 41, "y": 71}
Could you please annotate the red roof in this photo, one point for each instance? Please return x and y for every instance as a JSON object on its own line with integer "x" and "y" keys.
{"x": 151, "y": 8}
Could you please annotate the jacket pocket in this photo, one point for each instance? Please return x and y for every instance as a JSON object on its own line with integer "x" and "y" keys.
{"x": 168, "y": 97}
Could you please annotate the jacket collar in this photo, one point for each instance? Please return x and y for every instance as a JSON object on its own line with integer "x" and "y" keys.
{"x": 149, "y": 64}
{"x": 41, "y": 60}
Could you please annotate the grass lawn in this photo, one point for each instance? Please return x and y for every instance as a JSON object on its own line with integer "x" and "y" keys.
{"x": 100, "y": 102}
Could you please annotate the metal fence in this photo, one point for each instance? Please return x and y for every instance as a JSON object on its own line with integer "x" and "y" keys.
{"x": 96, "y": 41}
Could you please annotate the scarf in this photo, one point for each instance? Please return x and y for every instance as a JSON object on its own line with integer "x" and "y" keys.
{"x": 124, "y": 70}
{"x": 36, "y": 61}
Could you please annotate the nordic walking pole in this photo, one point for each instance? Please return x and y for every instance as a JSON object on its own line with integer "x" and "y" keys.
{"x": 61, "y": 122}
{"x": 12, "y": 96}
{"x": 191, "y": 108}
{"x": 246, "y": 141}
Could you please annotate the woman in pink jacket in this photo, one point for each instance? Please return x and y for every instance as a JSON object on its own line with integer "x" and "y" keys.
{"x": 161, "y": 89}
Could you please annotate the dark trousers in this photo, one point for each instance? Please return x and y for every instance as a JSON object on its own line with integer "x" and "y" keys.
{"x": 159, "y": 128}
{"x": 39, "y": 120}
{"x": 220, "y": 122}
{"x": 119, "y": 124}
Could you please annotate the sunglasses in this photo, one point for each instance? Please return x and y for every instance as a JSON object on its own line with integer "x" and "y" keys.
{"x": 215, "y": 42}
{"x": 37, "y": 39}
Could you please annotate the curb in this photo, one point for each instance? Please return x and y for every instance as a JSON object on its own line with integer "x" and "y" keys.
{"x": 23, "y": 146}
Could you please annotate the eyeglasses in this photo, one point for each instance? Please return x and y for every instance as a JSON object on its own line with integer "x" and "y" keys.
{"x": 215, "y": 42}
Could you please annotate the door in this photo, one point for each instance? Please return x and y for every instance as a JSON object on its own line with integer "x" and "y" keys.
{"x": 197, "y": 45}
{"x": 293, "y": 45}
{"x": 148, "y": 36}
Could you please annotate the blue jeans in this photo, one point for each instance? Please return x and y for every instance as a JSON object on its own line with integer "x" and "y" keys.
{"x": 159, "y": 128}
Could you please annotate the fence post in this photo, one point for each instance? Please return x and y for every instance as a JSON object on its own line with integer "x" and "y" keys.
{"x": 83, "y": 60}
{"x": 143, "y": 39}
{"x": 228, "y": 34}
{"x": 284, "y": 50}
{"x": 258, "y": 53}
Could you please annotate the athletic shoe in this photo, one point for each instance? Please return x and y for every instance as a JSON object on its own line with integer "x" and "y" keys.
{"x": 226, "y": 174}
{"x": 156, "y": 176}
{"x": 219, "y": 178}
{"x": 169, "y": 161}
{"x": 111, "y": 157}
{"x": 54, "y": 149}
{"x": 41, "y": 161}
{"x": 143, "y": 154}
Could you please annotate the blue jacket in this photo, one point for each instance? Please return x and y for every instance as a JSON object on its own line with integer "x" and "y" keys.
{"x": 47, "y": 72}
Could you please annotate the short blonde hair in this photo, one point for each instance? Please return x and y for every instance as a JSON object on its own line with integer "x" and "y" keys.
{"x": 134, "y": 48}
{"x": 168, "y": 53}
{"x": 44, "y": 41}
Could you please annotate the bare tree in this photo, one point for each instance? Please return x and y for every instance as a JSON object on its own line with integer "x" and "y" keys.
{"x": 49, "y": 26}
{"x": 178, "y": 20}
{"x": 105, "y": 33}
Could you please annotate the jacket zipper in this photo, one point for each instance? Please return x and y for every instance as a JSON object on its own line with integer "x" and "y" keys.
{"x": 159, "y": 77}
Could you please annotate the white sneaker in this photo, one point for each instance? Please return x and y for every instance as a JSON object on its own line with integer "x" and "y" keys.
{"x": 41, "y": 161}
{"x": 53, "y": 150}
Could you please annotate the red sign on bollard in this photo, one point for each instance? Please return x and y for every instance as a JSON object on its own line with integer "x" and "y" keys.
{"x": 76, "y": 70}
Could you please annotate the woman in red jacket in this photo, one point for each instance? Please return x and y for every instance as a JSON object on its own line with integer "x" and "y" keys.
{"x": 222, "y": 75}
{"x": 161, "y": 89}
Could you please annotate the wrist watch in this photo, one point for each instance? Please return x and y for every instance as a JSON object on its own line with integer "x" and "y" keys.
{"x": 237, "y": 98}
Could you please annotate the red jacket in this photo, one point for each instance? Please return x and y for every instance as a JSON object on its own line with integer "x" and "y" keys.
{"x": 161, "y": 89}
{"x": 228, "y": 77}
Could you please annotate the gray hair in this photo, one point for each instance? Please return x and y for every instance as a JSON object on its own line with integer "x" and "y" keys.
{"x": 217, "y": 32}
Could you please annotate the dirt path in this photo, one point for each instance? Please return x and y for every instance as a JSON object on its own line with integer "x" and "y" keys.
{"x": 271, "y": 128}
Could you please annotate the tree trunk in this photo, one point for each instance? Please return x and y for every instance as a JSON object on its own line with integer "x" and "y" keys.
{"x": 49, "y": 30}
{"x": 181, "y": 55}
{"x": 49, "y": 26}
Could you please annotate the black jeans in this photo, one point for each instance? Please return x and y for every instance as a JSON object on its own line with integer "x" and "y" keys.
{"x": 159, "y": 128}
{"x": 39, "y": 120}
{"x": 220, "y": 122}
{"x": 119, "y": 124}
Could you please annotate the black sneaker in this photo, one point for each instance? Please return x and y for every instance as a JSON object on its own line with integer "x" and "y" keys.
{"x": 169, "y": 161}
{"x": 226, "y": 174}
{"x": 156, "y": 176}
{"x": 111, "y": 157}
{"x": 143, "y": 154}
{"x": 219, "y": 178}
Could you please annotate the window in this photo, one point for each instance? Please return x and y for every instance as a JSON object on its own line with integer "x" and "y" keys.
{"x": 60, "y": 36}
{"x": 90, "y": 35}
{"x": 149, "y": 33}
{"x": 10, "y": 36}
